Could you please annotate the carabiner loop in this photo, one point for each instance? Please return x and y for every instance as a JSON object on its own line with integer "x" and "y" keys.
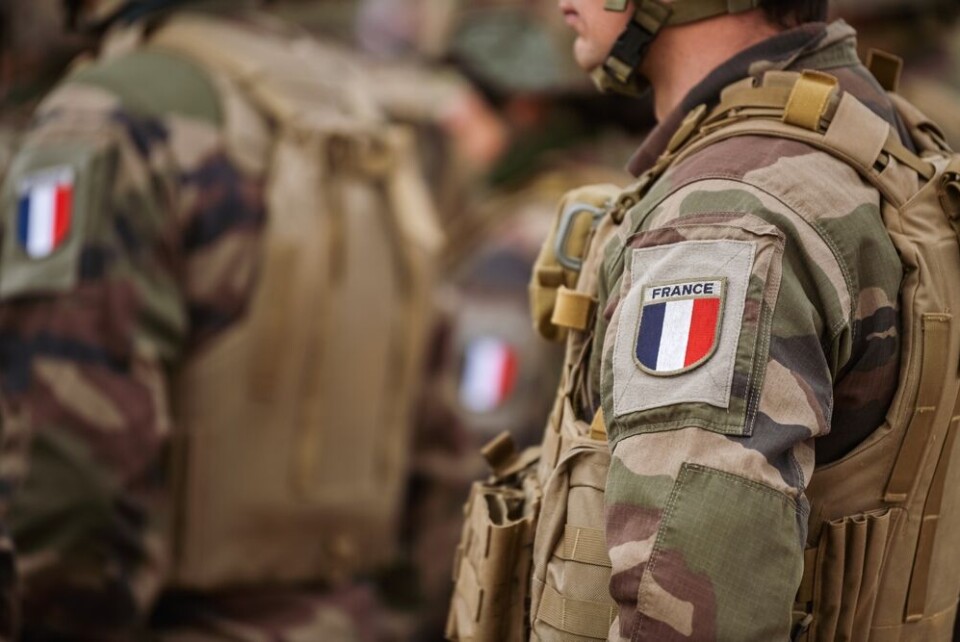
{"x": 567, "y": 220}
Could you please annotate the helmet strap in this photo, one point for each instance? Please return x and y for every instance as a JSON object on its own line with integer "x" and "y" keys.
{"x": 649, "y": 17}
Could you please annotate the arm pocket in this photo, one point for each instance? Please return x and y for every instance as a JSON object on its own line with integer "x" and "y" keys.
{"x": 726, "y": 551}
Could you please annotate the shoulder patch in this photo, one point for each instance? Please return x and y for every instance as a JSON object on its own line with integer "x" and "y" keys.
{"x": 680, "y": 324}
{"x": 44, "y": 211}
{"x": 47, "y": 200}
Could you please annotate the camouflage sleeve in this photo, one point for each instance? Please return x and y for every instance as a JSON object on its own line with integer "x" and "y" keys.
{"x": 116, "y": 261}
{"x": 721, "y": 342}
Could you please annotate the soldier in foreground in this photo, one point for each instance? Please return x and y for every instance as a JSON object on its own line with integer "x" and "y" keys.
{"x": 754, "y": 333}
{"x": 213, "y": 291}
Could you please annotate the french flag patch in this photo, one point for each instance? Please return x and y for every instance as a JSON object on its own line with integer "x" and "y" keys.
{"x": 489, "y": 374}
{"x": 45, "y": 210}
{"x": 679, "y": 325}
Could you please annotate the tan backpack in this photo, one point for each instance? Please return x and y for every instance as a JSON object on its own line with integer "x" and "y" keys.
{"x": 882, "y": 562}
{"x": 293, "y": 428}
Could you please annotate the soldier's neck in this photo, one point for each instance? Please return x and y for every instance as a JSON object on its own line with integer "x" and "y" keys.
{"x": 681, "y": 57}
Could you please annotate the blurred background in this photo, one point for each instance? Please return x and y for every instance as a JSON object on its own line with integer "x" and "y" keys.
{"x": 504, "y": 125}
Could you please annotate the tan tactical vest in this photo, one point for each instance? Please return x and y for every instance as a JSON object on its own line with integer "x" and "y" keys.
{"x": 293, "y": 427}
{"x": 882, "y": 562}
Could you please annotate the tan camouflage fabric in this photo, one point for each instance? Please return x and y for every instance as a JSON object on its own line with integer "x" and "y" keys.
{"x": 706, "y": 515}
{"x": 161, "y": 259}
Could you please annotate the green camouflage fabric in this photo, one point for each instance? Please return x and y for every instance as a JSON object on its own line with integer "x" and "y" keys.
{"x": 161, "y": 259}
{"x": 706, "y": 514}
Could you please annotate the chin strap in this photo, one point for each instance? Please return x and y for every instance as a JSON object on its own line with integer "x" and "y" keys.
{"x": 619, "y": 71}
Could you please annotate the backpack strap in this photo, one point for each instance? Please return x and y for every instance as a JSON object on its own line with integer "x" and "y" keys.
{"x": 808, "y": 108}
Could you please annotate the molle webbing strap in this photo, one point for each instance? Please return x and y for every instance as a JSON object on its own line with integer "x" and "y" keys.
{"x": 576, "y": 617}
{"x": 922, "y": 561}
{"x": 598, "y": 427}
{"x": 886, "y": 68}
{"x": 808, "y": 100}
{"x": 857, "y": 132}
{"x": 936, "y": 337}
{"x": 587, "y": 545}
{"x": 854, "y": 134}
{"x": 573, "y": 310}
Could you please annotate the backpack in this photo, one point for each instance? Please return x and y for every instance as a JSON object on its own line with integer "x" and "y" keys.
{"x": 290, "y": 459}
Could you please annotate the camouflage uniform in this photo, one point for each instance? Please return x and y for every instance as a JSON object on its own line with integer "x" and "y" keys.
{"x": 162, "y": 259}
{"x": 706, "y": 515}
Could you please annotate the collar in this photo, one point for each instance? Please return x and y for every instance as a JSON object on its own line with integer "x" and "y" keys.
{"x": 809, "y": 46}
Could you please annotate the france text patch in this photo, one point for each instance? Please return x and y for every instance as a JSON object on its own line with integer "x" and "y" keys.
{"x": 44, "y": 211}
{"x": 679, "y": 325}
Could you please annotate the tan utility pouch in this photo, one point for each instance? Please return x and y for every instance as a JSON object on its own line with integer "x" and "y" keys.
{"x": 570, "y": 589}
{"x": 558, "y": 265}
{"x": 294, "y": 425}
{"x": 492, "y": 568}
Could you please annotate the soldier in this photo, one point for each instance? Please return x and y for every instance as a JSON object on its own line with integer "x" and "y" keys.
{"x": 212, "y": 299}
{"x": 730, "y": 456}
{"x": 925, "y": 35}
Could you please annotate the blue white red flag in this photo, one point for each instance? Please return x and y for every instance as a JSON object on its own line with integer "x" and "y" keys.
{"x": 679, "y": 325}
{"x": 45, "y": 210}
{"x": 489, "y": 374}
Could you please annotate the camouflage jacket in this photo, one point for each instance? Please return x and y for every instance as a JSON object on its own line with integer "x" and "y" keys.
{"x": 132, "y": 237}
{"x": 748, "y": 331}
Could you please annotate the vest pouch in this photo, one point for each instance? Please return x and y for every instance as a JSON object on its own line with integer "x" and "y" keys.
{"x": 493, "y": 560}
{"x": 570, "y": 596}
{"x": 850, "y": 560}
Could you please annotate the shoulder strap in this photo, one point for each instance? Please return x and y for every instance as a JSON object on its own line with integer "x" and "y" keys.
{"x": 292, "y": 80}
{"x": 810, "y": 109}
{"x": 306, "y": 87}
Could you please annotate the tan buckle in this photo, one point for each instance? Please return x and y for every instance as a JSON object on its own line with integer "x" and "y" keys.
{"x": 809, "y": 100}
{"x": 572, "y": 310}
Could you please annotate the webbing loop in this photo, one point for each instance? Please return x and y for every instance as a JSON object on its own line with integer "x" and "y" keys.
{"x": 573, "y": 310}
{"x": 577, "y": 617}
{"x": 585, "y": 545}
{"x": 936, "y": 337}
{"x": 809, "y": 100}
{"x": 923, "y": 559}
{"x": 886, "y": 68}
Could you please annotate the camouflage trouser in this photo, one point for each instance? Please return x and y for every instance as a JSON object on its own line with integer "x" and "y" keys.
{"x": 352, "y": 614}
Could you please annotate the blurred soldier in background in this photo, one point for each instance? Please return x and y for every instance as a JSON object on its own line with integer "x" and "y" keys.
{"x": 925, "y": 34}
{"x": 507, "y": 125}
{"x": 212, "y": 306}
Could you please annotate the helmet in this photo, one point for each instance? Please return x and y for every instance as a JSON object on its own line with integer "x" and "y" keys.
{"x": 515, "y": 47}
{"x": 619, "y": 72}
{"x": 504, "y": 45}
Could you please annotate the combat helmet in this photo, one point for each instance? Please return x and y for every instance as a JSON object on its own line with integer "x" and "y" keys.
{"x": 507, "y": 46}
